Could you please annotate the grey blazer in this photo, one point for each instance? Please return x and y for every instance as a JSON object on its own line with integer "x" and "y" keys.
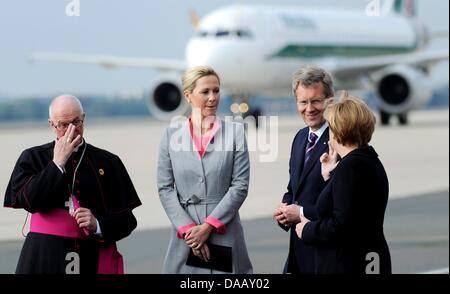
{"x": 192, "y": 188}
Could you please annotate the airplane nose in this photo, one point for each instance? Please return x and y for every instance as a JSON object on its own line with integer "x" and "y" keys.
{"x": 227, "y": 57}
{"x": 194, "y": 54}
{"x": 207, "y": 53}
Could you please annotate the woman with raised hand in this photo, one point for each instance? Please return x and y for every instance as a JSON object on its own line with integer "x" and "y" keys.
{"x": 346, "y": 224}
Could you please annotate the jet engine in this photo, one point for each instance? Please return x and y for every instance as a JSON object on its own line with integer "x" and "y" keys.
{"x": 400, "y": 89}
{"x": 166, "y": 98}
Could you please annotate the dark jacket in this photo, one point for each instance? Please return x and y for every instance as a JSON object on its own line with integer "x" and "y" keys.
{"x": 101, "y": 184}
{"x": 304, "y": 187}
{"x": 347, "y": 221}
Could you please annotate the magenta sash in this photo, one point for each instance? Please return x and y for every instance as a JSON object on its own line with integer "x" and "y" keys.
{"x": 60, "y": 223}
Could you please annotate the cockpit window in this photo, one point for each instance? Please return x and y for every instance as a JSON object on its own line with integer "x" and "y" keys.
{"x": 221, "y": 33}
{"x": 243, "y": 34}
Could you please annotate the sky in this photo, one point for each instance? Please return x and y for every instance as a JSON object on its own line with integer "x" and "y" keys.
{"x": 137, "y": 28}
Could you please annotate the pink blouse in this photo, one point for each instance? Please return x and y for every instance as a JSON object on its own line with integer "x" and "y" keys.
{"x": 202, "y": 142}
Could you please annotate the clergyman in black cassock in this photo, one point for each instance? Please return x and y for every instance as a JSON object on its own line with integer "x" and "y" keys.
{"x": 43, "y": 181}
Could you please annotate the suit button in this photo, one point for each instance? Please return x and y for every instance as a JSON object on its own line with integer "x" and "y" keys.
{"x": 201, "y": 180}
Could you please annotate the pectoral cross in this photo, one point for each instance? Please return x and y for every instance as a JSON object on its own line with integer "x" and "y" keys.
{"x": 70, "y": 205}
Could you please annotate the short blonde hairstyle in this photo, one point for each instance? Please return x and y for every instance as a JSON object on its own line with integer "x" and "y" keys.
{"x": 350, "y": 120}
{"x": 192, "y": 75}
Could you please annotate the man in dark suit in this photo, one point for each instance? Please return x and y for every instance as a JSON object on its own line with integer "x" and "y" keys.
{"x": 346, "y": 224}
{"x": 313, "y": 89}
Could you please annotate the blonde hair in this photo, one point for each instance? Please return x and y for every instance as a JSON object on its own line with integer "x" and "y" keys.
{"x": 192, "y": 75}
{"x": 350, "y": 120}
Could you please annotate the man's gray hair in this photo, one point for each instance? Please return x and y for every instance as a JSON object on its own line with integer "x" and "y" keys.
{"x": 66, "y": 96}
{"x": 311, "y": 75}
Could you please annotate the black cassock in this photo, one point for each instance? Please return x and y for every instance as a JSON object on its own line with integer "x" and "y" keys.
{"x": 102, "y": 184}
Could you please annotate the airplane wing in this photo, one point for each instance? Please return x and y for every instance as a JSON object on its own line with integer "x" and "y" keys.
{"x": 350, "y": 68}
{"x": 112, "y": 61}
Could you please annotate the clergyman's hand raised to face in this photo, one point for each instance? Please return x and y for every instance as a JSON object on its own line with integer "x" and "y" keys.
{"x": 64, "y": 146}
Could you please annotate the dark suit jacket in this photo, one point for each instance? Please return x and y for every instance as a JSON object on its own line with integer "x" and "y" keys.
{"x": 103, "y": 185}
{"x": 350, "y": 214}
{"x": 304, "y": 187}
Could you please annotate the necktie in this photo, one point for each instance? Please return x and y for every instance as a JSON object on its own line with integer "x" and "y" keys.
{"x": 310, "y": 146}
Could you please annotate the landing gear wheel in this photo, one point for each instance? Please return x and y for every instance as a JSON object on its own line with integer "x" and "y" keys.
{"x": 385, "y": 116}
{"x": 255, "y": 112}
{"x": 403, "y": 119}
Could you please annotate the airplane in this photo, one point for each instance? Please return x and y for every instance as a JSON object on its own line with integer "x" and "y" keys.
{"x": 256, "y": 49}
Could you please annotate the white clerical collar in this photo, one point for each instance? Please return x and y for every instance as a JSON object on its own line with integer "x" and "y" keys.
{"x": 78, "y": 146}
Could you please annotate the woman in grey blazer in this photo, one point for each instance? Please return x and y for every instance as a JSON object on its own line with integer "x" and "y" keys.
{"x": 203, "y": 176}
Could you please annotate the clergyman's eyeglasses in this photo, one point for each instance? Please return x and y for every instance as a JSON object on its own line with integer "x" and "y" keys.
{"x": 61, "y": 126}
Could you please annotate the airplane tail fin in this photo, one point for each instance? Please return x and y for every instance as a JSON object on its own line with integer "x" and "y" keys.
{"x": 403, "y": 7}
{"x": 195, "y": 19}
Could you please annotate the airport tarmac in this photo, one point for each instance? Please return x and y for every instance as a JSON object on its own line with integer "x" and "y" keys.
{"x": 416, "y": 159}
{"x": 416, "y": 230}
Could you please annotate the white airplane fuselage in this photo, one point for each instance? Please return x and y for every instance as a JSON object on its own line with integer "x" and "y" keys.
{"x": 256, "y": 49}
